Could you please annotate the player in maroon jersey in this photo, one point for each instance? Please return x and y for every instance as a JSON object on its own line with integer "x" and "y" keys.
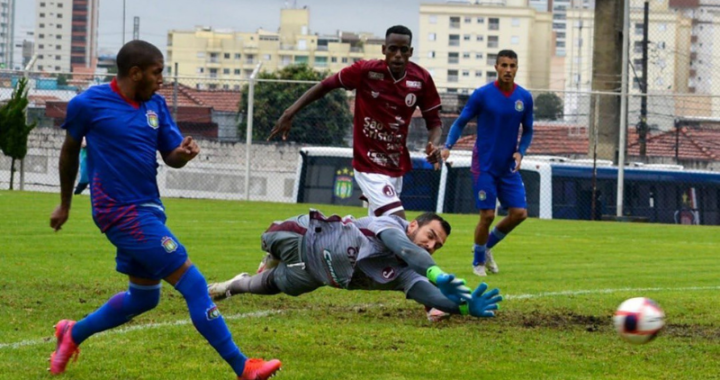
{"x": 387, "y": 93}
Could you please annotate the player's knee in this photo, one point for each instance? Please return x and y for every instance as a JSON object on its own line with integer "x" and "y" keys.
{"x": 143, "y": 299}
{"x": 487, "y": 217}
{"x": 519, "y": 215}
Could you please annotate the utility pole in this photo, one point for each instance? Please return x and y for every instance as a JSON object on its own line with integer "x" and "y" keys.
{"x": 136, "y": 28}
{"x": 123, "y": 26}
{"x": 643, "y": 127}
{"x": 607, "y": 67}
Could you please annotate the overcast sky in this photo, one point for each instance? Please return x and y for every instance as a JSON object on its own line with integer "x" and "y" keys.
{"x": 159, "y": 16}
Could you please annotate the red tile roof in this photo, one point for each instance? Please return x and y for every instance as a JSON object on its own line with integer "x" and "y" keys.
{"x": 548, "y": 140}
{"x": 41, "y": 100}
{"x": 219, "y": 100}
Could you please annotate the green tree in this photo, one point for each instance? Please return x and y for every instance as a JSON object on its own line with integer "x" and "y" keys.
{"x": 548, "y": 106}
{"x": 324, "y": 122}
{"x": 14, "y": 129}
{"x": 62, "y": 80}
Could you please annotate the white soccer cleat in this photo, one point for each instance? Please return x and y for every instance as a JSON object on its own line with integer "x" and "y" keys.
{"x": 221, "y": 290}
{"x": 435, "y": 315}
{"x": 479, "y": 270}
{"x": 490, "y": 263}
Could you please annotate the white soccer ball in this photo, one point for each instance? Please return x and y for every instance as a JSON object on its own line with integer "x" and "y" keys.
{"x": 639, "y": 320}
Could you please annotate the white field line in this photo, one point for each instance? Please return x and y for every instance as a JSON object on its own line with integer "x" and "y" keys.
{"x": 123, "y": 330}
{"x": 260, "y": 314}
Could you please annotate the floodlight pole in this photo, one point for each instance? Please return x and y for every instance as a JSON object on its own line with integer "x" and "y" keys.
{"x": 248, "y": 134}
{"x": 623, "y": 110}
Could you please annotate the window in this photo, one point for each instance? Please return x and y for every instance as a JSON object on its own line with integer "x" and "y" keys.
{"x": 660, "y": 45}
{"x": 467, "y": 20}
{"x": 493, "y": 42}
{"x": 491, "y": 59}
{"x": 454, "y": 22}
{"x": 452, "y": 76}
{"x": 478, "y": 55}
{"x": 41, "y": 36}
{"x": 42, "y": 5}
{"x": 58, "y": 47}
{"x": 432, "y": 36}
{"x": 516, "y": 21}
{"x": 57, "y": 57}
{"x": 431, "y": 54}
{"x": 637, "y": 47}
{"x": 321, "y": 61}
{"x": 59, "y": 15}
{"x": 344, "y": 60}
{"x": 478, "y": 74}
{"x": 226, "y": 56}
{"x": 59, "y": 26}
{"x": 42, "y": 15}
{"x": 454, "y": 40}
{"x": 637, "y": 62}
{"x": 466, "y": 73}
{"x": 493, "y": 23}
{"x": 214, "y": 57}
{"x": 432, "y": 19}
{"x": 333, "y": 59}
{"x": 226, "y": 71}
{"x": 267, "y": 57}
{"x": 466, "y": 55}
{"x": 57, "y": 68}
{"x": 200, "y": 70}
{"x": 662, "y": 27}
{"x": 560, "y": 44}
{"x": 466, "y": 37}
{"x": 236, "y": 87}
{"x": 236, "y": 72}
{"x": 226, "y": 87}
{"x": 213, "y": 73}
{"x": 560, "y": 34}
{"x": 453, "y": 58}
{"x": 59, "y": 37}
{"x": 480, "y": 20}
{"x": 41, "y": 46}
{"x": 480, "y": 38}
{"x": 302, "y": 45}
{"x": 301, "y": 59}
{"x": 491, "y": 76}
{"x": 60, "y": 5}
{"x": 514, "y": 40}
{"x": 639, "y": 27}
{"x": 41, "y": 25}
{"x": 238, "y": 56}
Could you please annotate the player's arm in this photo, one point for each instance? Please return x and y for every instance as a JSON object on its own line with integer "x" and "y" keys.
{"x": 180, "y": 156}
{"x": 481, "y": 305}
{"x": 527, "y": 133}
{"x": 422, "y": 263}
{"x": 69, "y": 162}
{"x": 430, "y": 105}
{"x": 470, "y": 111}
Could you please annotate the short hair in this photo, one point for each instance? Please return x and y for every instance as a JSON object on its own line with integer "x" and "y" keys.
{"x": 136, "y": 53}
{"x": 506, "y": 53}
{"x": 399, "y": 29}
{"x": 428, "y": 217}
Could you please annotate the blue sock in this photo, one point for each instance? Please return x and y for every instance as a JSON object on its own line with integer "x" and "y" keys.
{"x": 207, "y": 319}
{"x": 479, "y": 251}
{"x": 119, "y": 309}
{"x": 495, "y": 237}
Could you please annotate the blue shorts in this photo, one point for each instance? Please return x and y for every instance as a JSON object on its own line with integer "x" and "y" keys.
{"x": 145, "y": 246}
{"x": 509, "y": 188}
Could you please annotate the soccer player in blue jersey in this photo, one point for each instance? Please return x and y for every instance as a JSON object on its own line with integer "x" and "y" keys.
{"x": 125, "y": 124}
{"x": 500, "y": 108}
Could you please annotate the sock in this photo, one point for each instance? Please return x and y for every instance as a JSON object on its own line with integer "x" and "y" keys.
{"x": 119, "y": 309}
{"x": 262, "y": 283}
{"x": 207, "y": 319}
{"x": 479, "y": 251}
{"x": 495, "y": 237}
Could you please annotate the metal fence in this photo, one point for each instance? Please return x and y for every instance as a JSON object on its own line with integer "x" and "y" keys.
{"x": 570, "y": 172}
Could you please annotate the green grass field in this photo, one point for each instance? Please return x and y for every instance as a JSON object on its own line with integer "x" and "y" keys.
{"x": 562, "y": 281}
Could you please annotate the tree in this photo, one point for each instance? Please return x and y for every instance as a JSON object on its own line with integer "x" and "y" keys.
{"x": 324, "y": 122}
{"x": 62, "y": 80}
{"x": 14, "y": 129}
{"x": 548, "y": 106}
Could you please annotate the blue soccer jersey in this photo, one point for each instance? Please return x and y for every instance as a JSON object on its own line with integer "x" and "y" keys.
{"x": 499, "y": 116}
{"x": 122, "y": 140}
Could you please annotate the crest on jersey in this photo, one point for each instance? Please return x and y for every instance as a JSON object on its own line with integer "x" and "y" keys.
{"x": 388, "y": 273}
{"x": 343, "y": 188}
{"x": 410, "y": 99}
{"x": 519, "y": 106}
{"x": 152, "y": 119}
{"x": 374, "y": 94}
{"x": 413, "y": 84}
{"x": 169, "y": 244}
{"x": 212, "y": 313}
{"x": 481, "y": 195}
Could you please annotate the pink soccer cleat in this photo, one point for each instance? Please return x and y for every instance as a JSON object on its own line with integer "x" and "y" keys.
{"x": 258, "y": 369}
{"x": 65, "y": 349}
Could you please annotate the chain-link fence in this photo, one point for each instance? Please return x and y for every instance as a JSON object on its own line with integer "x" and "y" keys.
{"x": 570, "y": 172}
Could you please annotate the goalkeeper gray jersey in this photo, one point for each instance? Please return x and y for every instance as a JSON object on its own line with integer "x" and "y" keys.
{"x": 336, "y": 247}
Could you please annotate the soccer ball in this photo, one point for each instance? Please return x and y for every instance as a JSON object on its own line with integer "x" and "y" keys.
{"x": 639, "y": 320}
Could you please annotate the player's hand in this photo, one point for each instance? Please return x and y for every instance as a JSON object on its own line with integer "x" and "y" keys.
{"x": 433, "y": 155}
{"x": 518, "y": 159}
{"x": 482, "y": 304}
{"x": 59, "y": 217}
{"x": 453, "y": 288}
{"x": 445, "y": 154}
{"x": 281, "y": 127}
{"x": 189, "y": 148}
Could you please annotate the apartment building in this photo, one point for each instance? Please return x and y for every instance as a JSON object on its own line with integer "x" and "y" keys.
{"x": 459, "y": 42}
{"x": 66, "y": 35}
{"x": 669, "y": 36}
{"x": 7, "y": 26}
{"x": 222, "y": 57}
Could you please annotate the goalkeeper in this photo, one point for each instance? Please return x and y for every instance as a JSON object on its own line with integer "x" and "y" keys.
{"x": 309, "y": 251}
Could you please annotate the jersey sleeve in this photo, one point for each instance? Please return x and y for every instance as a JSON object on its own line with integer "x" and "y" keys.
{"x": 169, "y": 136}
{"x": 382, "y": 223}
{"x": 430, "y": 99}
{"x": 351, "y": 76}
{"x": 77, "y": 118}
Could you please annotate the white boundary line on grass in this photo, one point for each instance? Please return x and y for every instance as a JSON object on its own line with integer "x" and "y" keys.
{"x": 123, "y": 330}
{"x": 260, "y": 314}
